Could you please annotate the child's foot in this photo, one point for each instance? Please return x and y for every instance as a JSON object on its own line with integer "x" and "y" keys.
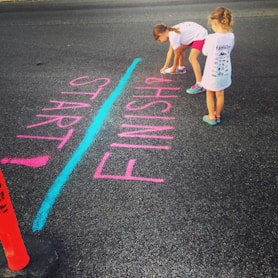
{"x": 207, "y": 119}
{"x": 180, "y": 70}
{"x": 195, "y": 89}
{"x": 218, "y": 119}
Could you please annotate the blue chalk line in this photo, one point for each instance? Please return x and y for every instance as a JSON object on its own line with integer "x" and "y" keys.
{"x": 59, "y": 183}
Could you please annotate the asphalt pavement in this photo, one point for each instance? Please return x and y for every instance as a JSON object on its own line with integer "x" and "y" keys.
{"x": 111, "y": 161}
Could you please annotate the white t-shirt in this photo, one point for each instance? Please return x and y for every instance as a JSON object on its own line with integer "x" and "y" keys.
{"x": 190, "y": 31}
{"x": 218, "y": 68}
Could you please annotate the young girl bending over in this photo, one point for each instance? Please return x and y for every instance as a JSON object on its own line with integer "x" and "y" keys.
{"x": 218, "y": 70}
{"x": 182, "y": 36}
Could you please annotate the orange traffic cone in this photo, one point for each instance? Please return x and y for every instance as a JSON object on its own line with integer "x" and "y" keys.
{"x": 10, "y": 236}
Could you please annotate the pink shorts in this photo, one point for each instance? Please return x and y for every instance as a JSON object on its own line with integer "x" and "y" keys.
{"x": 198, "y": 45}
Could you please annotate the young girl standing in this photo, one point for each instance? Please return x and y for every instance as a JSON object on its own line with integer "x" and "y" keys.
{"x": 181, "y": 37}
{"x": 218, "y": 70}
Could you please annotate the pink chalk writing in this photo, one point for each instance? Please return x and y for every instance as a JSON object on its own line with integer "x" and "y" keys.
{"x": 63, "y": 140}
{"x": 67, "y": 121}
{"x": 93, "y": 94}
{"x": 167, "y": 104}
{"x": 158, "y": 93}
{"x": 34, "y": 162}
{"x": 144, "y": 129}
{"x": 133, "y": 146}
{"x": 149, "y": 117}
{"x": 161, "y": 103}
{"x": 138, "y": 131}
{"x": 128, "y": 173}
{"x": 150, "y": 80}
{"x": 58, "y": 119}
{"x": 67, "y": 105}
{"x": 73, "y": 82}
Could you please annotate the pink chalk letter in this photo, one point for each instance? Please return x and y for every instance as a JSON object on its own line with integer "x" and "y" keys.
{"x": 67, "y": 105}
{"x": 93, "y": 94}
{"x": 58, "y": 119}
{"x": 150, "y": 117}
{"x": 62, "y": 139}
{"x": 158, "y": 93}
{"x": 74, "y": 81}
{"x": 144, "y": 129}
{"x": 150, "y": 80}
{"x": 134, "y": 146}
{"x": 167, "y": 104}
{"x": 128, "y": 174}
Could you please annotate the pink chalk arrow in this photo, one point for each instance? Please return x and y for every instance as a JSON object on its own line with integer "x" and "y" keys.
{"x": 34, "y": 162}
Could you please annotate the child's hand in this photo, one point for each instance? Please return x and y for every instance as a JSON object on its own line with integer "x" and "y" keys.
{"x": 162, "y": 70}
{"x": 170, "y": 70}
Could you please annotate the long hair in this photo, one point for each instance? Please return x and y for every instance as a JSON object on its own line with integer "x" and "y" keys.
{"x": 161, "y": 28}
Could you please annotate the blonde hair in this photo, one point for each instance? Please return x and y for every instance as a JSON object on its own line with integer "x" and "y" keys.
{"x": 224, "y": 17}
{"x": 161, "y": 28}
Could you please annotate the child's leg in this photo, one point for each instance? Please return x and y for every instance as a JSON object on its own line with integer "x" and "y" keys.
{"x": 210, "y": 118}
{"x": 181, "y": 59}
{"x": 219, "y": 103}
{"x": 210, "y": 96}
{"x": 193, "y": 59}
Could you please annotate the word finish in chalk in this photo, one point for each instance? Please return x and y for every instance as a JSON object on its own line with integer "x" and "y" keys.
{"x": 151, "y": 96}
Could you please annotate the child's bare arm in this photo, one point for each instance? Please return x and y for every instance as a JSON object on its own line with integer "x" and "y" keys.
{"x": 168, "y": 59}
